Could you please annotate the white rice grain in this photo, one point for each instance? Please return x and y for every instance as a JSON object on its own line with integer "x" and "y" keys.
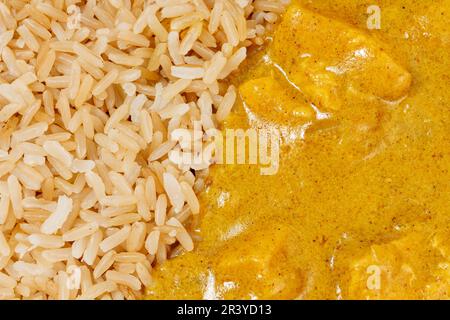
{"x": 174, "y": 192}
{"x": 56, "y": 220}
{"x": 115, "y": 239}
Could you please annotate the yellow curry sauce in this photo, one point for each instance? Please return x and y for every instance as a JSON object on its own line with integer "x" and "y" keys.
{"x": 363, "y": 184}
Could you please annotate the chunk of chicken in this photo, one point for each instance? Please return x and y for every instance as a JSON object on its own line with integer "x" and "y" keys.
{"x": 258, "y": 261}
{"x": 327, "y": 58}
{"x": 384, "y": 273}
{"x": 270, "y": 101}
{"x": 412, "y": 267}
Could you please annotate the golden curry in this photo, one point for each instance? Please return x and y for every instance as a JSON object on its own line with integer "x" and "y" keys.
{"x": 363, "y": 187}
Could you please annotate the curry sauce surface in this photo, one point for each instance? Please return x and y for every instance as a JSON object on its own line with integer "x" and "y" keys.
{"x": 363, "y": 184}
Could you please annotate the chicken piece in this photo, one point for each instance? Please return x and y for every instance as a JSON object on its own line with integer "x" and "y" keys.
{"x": 268, "y": 100}
{"x": 328, "y": 59}
{"x": 406, "y": 268}
{"x": 441, "y": 242}
{"x": 258, "y": 262}
{"x": 253, "y": 264}
{"x": 387, "y": 271}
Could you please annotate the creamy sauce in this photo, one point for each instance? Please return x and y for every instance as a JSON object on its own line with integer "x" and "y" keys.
{"x": 359, "y": 208}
